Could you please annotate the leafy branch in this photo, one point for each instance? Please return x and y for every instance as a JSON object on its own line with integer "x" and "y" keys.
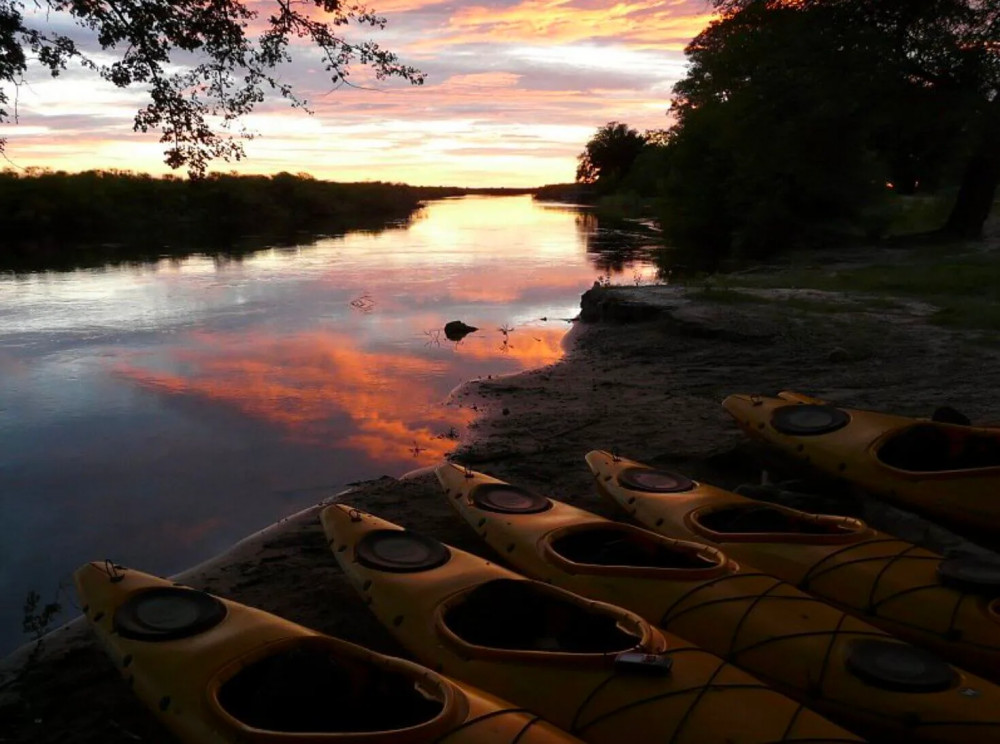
{"x": 225, "y": 72}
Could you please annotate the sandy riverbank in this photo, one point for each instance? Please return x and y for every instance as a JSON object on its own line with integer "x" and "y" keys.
{"x": 649, "y": 389}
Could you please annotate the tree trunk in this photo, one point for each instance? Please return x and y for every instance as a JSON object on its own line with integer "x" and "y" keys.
{"x": 979, "y": 183}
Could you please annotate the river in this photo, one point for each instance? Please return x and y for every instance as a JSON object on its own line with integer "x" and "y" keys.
{"x": 155, "y": 414}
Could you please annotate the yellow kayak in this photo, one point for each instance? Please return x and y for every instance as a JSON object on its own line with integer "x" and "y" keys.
{"x": 799, "y": 645}
{"x": 948, "y": 605}
{"x": 946, "y": 470}
{"x": 212, "y": 670}
{"x": 596, "y": 670}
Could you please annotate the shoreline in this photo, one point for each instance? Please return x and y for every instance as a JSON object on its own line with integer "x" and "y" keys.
{"x": 644, "y": 377}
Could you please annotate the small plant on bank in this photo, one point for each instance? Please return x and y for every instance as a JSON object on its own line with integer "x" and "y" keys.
{"x": 506, "y": 345}
{"x": 36, "y": 621}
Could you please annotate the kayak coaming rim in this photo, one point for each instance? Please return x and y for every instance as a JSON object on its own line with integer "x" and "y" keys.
{"x": 694, "y": 516}
{"x": 722, "y": 564}
{"x": 454, "y": 703}
{"x": 649, "y": 640}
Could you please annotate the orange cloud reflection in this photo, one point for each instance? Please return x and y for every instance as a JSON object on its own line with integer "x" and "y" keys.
{"x": 322, "y": 388}
{"x": 530, "y": 346}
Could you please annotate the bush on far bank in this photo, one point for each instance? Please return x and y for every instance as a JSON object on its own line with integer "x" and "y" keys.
{"x": 54, "y": 219}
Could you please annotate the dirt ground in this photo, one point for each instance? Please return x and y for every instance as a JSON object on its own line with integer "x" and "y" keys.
{"x": 649, "y": 389}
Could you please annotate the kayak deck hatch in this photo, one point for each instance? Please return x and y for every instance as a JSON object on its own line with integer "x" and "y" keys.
{"x": 520, "y": 615}
{"x": 301, "y": 689}
{"x": 400, "y": 551}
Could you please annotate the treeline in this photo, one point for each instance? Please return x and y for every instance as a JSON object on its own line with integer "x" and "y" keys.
{"x": 62, "y": 220}
{"x": 802, "y": 122}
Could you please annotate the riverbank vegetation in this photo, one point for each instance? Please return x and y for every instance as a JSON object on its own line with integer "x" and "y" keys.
{"x": 962, "y": 287}
{"x": 58, "y": 220}
{"x": 818, "y": 122}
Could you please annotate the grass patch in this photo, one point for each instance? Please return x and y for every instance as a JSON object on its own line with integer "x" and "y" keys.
{"x": 969, "y": 313}
{"x": 909, "y": 215}
{"x": 965, "y": 286}
{"x": 818, "y": 306}
{"x": 729, "y": 296}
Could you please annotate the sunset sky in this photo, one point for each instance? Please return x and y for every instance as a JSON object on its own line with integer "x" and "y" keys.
{"x": 514, "y": 90}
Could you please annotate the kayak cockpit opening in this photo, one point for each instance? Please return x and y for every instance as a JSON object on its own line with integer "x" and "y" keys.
{"x": 308, "y": 688}
{"x": 741, "y": 519}
{"x": 621, "y": 545}
{"x": 527, "y": 616}
{"x": 934, "y": 447}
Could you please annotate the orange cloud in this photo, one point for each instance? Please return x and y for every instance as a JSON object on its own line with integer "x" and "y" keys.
{"x": 512, "y": 95}
{"x": 489, "y": 80}
{"x": 664, "y": 25}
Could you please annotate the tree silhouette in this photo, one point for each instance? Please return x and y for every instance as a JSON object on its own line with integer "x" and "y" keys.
{"x": 609, "y": 155}
{"x": 795, "y": 114}
{"x": 199, "y": 60}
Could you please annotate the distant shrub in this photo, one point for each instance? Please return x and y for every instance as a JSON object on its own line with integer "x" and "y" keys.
{"x": 58, "y": 219}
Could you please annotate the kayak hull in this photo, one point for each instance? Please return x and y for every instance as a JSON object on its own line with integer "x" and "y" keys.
{"x": 672, "y": 692}
{"x": 890, "y": 583}
{"x": 792, "y": 641}
{"x": 869, "y": 450}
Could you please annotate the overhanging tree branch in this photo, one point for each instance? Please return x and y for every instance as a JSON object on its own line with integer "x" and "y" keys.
{"x": 227, "y": 72}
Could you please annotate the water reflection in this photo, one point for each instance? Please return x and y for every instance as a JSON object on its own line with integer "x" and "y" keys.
{"x": 155, "y": 414}
{"x": 325, "y": 388}
{"x": 614, "y": 246}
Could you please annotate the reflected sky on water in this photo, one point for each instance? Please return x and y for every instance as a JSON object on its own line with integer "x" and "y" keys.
{"x": 155, "y": 414}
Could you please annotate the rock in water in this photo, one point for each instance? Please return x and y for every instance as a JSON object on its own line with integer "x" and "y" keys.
{"x": 456, "y": 330}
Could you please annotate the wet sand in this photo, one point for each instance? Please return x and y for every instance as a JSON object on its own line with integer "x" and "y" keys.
{"x": 645, "y": 378}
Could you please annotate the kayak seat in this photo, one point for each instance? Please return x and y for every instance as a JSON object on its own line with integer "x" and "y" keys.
{"x": 519, "y": 615}
{"x": 754, "y": 518}
{"x": 928, "y": 448}
{"x": 309, "y": 690}
{"x": 614, "y": 547}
